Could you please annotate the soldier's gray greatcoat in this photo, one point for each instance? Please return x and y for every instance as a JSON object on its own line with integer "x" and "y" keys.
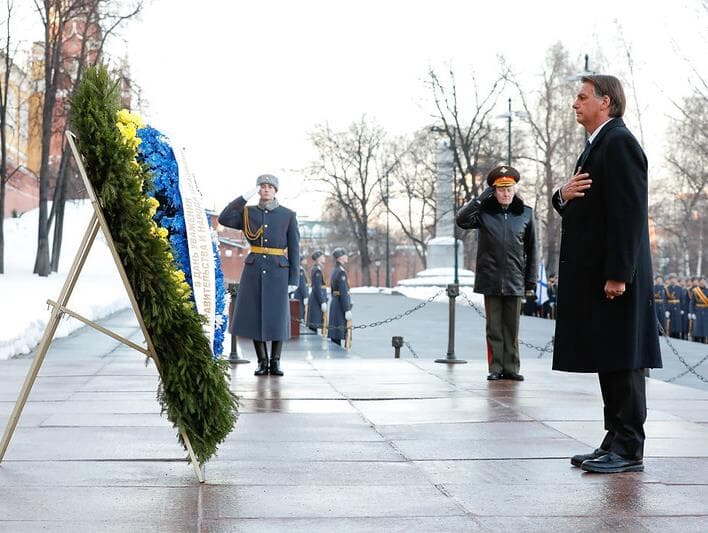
{"x": 341, "y": 303}
{"x": 318, "y": 296}
{"x": 262, "y": 311}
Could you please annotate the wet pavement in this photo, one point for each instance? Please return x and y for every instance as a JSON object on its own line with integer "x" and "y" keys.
{"x": 350, "y": 442}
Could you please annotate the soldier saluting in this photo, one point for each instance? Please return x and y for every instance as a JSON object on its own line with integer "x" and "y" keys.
{"x": 340, "y": 310}
{"x": 318, "y": 293}
{"x": 270, "y": 271}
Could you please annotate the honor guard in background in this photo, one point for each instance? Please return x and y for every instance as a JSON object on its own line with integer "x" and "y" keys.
{"x": 270, "y": 271}
{"x": 660, "y": 300}
{"x": 549, "y": 306}
{"x": 318, "y": 293}
{"x": 685, "y": 306}
{"x": 300, "y": 293}
{"x": 674, "y": 297}
{"x": 699, "y": 312}
{"x": 340, "y": 309}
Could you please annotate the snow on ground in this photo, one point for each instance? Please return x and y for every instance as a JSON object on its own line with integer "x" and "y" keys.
{"x": 23, "y": 296}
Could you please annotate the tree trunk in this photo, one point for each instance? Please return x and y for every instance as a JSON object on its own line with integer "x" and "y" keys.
{"x": 58, "y": 209}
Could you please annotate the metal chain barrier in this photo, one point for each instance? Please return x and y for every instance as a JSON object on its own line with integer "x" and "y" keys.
{"x": 548, "y": 348}
{"x": 689, "y": 368}
{"x": 391, "y": 319}
{"x": 410, "y": 348}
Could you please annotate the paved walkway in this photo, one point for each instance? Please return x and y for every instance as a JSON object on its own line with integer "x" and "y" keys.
{"x": 343, "y": 442}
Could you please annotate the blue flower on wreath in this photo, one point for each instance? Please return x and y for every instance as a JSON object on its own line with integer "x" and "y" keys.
{"x": 156, "y": 153}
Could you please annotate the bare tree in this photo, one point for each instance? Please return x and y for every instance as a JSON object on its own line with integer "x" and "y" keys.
{"x": 6, "y": 56}
{"x": 413, "y": 184}
{"x": 687, "y": 158}
{"x": 351, "y": 165}
{"x": 556, "y": 138}
{"x": 62, "y": 69}
{"x": 477, "y": 142}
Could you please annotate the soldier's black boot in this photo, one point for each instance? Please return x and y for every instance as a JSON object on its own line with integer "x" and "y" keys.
{"x": 275, "y": 349}
{"x": 262, "y": 353}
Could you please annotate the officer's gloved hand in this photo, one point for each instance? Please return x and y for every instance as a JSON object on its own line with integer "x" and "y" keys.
{"x": 304, "y": 301}
{"x": 667, "y": 314}
{"x": 250, "y": 193}
{"x": 348, "y": 315}
{"x": 292, "y": 289}
{"x": 324, "y": 307}
{"x": 486, "y": 195}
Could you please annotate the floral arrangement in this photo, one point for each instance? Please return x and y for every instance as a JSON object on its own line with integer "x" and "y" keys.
{"x": 194, "y": 387}
{"x": 155, "y": 153}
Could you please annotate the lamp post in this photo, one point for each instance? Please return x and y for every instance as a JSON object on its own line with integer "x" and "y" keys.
{"x": 388, "y": 246}
{"x": 579, "y": 75}
{"x": 378, "y": 265}
{"x": 453, "y": 289}
{"x": 508, "y": 116}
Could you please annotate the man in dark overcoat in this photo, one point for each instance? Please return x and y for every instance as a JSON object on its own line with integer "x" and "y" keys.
{"x": 318, "y": 293}
{"x": 606, "y": 321}
{"x": 270, "y": 271}
{"x": 340, "y": 308}
{"x": 506, "y": 265}
{"x": 300, "y": 293}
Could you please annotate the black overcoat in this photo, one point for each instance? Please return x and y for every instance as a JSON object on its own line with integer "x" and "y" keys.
{"x": 341, "y": 303}
{"x": 318, "y": 296}
{"x": 262, "y": 311}
{"x": 506, "y": 254}
{"x": 605, "y": 236}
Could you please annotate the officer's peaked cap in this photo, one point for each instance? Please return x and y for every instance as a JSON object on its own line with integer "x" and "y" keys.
{"x": 503, "y": 176}
{"x": 317, "y": 255}
{"x": 338, "y": 252}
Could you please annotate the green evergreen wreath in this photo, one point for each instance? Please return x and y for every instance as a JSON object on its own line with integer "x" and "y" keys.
{"x": 194, "y": 389}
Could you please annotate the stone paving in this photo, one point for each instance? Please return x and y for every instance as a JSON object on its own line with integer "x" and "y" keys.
{"x": 349, "y": 442}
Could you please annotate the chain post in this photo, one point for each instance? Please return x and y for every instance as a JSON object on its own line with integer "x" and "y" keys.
{"x": 234, "y": 358}
{"x": 453, "y": 291}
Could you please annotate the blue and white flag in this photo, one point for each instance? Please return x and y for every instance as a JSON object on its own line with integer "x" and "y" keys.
{"x": 541, "y": 285}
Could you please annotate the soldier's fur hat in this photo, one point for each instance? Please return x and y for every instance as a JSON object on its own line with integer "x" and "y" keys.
{"x": 268, "y": 178}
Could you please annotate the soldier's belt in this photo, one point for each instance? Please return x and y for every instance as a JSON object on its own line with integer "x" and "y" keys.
{"x": 336, "y": 293}
{"x": 702, "y": 306}
{"x": 674, "y": 301}
{"x": 269, "y": 251}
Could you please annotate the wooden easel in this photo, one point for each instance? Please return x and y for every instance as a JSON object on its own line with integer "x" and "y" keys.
{"x": 59, "y": 309}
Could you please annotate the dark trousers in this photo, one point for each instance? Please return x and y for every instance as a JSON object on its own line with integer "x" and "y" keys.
{"x": 625, "y": 399}
{"x": 503, "y": 332}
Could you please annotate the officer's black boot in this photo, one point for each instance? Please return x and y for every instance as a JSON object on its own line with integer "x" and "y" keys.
{"x": 275, "y": 358}
{"x": 262, "y": 353}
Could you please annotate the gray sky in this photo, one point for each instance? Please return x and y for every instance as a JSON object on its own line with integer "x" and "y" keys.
{"x": 239, "y": 84}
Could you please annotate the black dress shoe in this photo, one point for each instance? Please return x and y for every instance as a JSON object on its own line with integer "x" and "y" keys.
{"x": 611, "y": 463}
{"x": 493, "y": 376}
{"x": 577, "y": 460}
{"x": 512, "y": 376}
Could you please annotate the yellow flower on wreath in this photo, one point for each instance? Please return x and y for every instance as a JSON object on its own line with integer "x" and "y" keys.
{"x": 153, "y": 204}
{"x": 128, "y": 124}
